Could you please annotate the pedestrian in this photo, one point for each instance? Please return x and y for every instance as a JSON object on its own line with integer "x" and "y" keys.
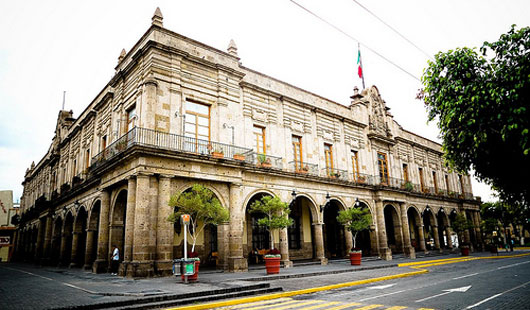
{"x": 506, "y": 247}
{"x": 511, "y": 245}
{"x": 114, "y": 260}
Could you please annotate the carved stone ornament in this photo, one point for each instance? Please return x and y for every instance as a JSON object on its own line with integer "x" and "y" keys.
{"x": 259, "y": 115}
{"x": 377, "y": 118}
{"x": 297, "y": 126}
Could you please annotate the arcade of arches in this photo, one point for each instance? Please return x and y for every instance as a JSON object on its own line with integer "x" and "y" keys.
{"x": 134, "y": 218}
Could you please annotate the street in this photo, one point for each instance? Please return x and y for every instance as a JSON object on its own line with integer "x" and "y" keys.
{"x": 481, "y": 284}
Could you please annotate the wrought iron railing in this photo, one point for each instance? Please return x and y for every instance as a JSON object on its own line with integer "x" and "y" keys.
{"x": 360, "y": 178}
{"x": 264, "y": 160}
{"x": 334, "y": 173}
{"x": 302, "y": 167}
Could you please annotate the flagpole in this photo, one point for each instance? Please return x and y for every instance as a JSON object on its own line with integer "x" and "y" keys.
{"x": 361, "y": 63}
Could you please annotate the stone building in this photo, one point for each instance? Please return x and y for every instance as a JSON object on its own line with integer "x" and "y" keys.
{"x": 7, "y": 229}
{"x": 179, "y": 112}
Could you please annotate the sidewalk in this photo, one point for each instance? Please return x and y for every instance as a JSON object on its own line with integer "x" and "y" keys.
{"x": 25, "y": 286}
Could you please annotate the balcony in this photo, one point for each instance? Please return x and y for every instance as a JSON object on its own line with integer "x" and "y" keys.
{"x": 302, "y": 168}
{"x": 333, "y": 173}
{"x": 264, "y": 160}
{"x": 363, "y": 179}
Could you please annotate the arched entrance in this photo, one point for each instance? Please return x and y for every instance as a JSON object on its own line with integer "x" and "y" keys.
{"x": 472, "y": 235}
{"x": 92, "y": 235}
{"x": 300, "y": 234}
{"x": 79, "y": 239}
{"x": 393, "y": 229}
{"x": 428, "y": 228}
{"x": 56, "y": 241}
{"x": 364, "y": 239}
{"x": 416, "y": 237}
{"x": 443, "y": 229}
{"x": 117, "y": 224}
{"x": 66, "y": 242}
{"x": 257, "y": 238}
{"x": 333, "y": 231}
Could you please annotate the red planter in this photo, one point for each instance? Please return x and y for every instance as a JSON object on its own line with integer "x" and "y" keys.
{"x": 195, "y": 276}
{"x": 355, "y": 258}
{"x": 272, "y": 264}
{"x": 465, "y": 250}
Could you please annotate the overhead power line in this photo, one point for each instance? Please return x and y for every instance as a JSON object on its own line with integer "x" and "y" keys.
{"x": 356, "y": 40}
{"x": 393, "y": 29}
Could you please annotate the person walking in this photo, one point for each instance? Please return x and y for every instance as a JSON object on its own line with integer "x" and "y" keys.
{"x": 114, "y": 261}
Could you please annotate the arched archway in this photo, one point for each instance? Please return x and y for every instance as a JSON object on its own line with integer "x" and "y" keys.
{"x": 333, "y": 231}
{"x": 91, "y": 250}
{"x": 415, "y": 229}
{"x": 66, "y": 241}
{"x": 365, "y": 238}
{"x": 443, "y": 229}
{"x": 429, "y": 223}
{"x": 56, "y": 241}
{"x": 79, "y": 238}
{"x": 255, "y": 237}
{"x": 393, "y": 229}
{"x": 117, "y": 224}
{"x": 301, "y": 234}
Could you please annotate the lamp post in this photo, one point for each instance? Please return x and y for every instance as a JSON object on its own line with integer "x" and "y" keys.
{"x": 322, "y": 207}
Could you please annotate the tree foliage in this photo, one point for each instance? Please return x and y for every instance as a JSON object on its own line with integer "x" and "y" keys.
{"x": 461, "y": 224}
{"x": 275, "y": 213}
{"x": 355, "y": 220}
{"x": 481, "y": 102}
{"x": 203, "y": 207}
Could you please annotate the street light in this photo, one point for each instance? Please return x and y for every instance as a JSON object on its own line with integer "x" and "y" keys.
{"x": 322, "y": 207}
{"x": 293, "y": 194}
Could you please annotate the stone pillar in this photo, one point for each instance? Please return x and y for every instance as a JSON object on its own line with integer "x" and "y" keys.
{"x": 129, "y": 221}
{"x": 236, "y": 261}
{"x": 223, "y": 251}
{"x": 409, "y": 250}
{"x": 164, "y": 229}
{"x": 448, "y": 234}
{"x": 142, "y": 264}
{"x": 101, "y": 263}
{"x": 40, "y": 240}
{"x": 319, "y": 243}
{"x": 75, "y": 241}
{"x": 384, "y": 251}
{"x": 284, "y": 248}
{"x": 90, "y": 234}
{"x": 46, "y": 251}
{"x": 467, "y": 236}
{"x": 436, "y": 238}
{"x": 348, "y": 236}
{"x": 478, "y": 233}
{"x": 62, "y": 252}
{"x": 421, "y": 236}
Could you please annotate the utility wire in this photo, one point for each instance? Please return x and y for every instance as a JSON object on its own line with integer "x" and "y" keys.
{"x": 354, "y": 39}
{"x": 393, "y": 29}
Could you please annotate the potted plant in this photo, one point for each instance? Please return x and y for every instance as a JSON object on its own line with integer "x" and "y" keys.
{"x": 361, "y": 179}
{"x": 303, "y": 169}
{"x": 459, "y": 225}
{"x": 239, "y": 156}
{"x": 275, "y": 213}
{"x": 355, "y": 220}
{"x": 204, "y": 208}
{"x": 408, "y": 186}
{"x": 218, "y": 153}
{"x": 264, "y": 161}
{"x": 334, "y": 174}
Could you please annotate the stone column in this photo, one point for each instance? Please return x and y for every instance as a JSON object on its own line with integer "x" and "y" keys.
{"x": 384, "y": 251}
{"x": 436, "y": 238}
{"x": 349, "y": 240}
{"x": 164, "y": 230}
{"x": 223, "y": 235}
{"x": 129, "y": 221}
{"x": 46, "y": 252}
{"x": 40, "y": 240}
{"x": 421, "y": 237}
{"x": 236, "y": 261}
{"x": 75, "y": 241}
{"x": 319, "y": 243}
{"x": 101, "y": 262}
{"x": 142, "y": 262}
{"x": 478, "y": 233}
{"x": 284, "y": 248}
{"x": 448, "y": 234}
{"x": 467, "y": 236}
{"x": 90, "y": 234}
{"x": 409, "y": 250}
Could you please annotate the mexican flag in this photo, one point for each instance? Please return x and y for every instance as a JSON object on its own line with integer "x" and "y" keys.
{"x": 360, "y": 65}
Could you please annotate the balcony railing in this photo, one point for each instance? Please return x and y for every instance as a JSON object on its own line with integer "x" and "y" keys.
{"x": 302, "y": 167}
{"x": 264, "y": 160}
{"x": 360, "y": 178}
{"x": 334, "y": 173}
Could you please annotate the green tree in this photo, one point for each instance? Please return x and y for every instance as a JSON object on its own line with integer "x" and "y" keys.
{"x": 355, "y": 220}
{"x": 276, "y": 214}
{"x": 461, "y": 224}
{"x": 481, "y": 104}
{"x": 203, "y": 207}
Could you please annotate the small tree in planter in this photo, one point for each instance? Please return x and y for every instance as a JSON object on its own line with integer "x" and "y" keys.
{"x": 276, "y": 217}
{"x": 203, "y": 207}
{"x": 459, "y": 225}
{"x": 355, "y": 220}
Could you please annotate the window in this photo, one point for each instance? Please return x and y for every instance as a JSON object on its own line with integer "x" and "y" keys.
{"x": 259, "y": 140}
{"x": 297, "y": 152}
{"x": 131, "y": 118}
{"x": 447, "y": 183}
{"x": 383, "y": 168}
{"x": 406, "y": 173}
{"x": 103, "y": 142}
{"x": 197, "y": 127}
{"x": 294, "y": 230}
{"x": 355, "y": 164}
{"x": 74, "y": 168}
{"x": 461, "y": 183}
{"x": 87, "y": 159}
{"x": 435, "y": 182}
{"x": 328, "y": 155}
{"x": 422, "y": 183}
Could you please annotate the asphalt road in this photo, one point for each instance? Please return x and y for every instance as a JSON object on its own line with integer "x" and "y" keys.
{"x": 481, "y": 284}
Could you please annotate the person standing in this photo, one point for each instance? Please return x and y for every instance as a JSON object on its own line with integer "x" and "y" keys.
{"x": 114, "y": 261}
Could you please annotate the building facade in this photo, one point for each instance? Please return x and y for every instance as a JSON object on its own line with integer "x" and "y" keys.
{"x": 178, "y": 112}
{"x": 7, "y": 229}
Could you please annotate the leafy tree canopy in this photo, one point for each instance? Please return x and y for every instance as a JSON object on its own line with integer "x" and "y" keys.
{"x": 355, "y": 220}
{"x": 481, "y": 102}
{"x": 275, "y": 213}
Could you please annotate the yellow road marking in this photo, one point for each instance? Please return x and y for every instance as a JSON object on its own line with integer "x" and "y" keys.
{"x": 396, "y": 308}
{"x": 425, "y": 309}
{"x": 322, "y": 305}
{"x": 431, "y": 261}
{"x": 344, "y": 306}
{"x": 258, "y": 303}
{"x": 274, "y": 305}
{"x": 298, "y": 304}
{"x": 369, "y": 307}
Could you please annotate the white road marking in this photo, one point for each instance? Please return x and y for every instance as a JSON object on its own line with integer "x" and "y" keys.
{"x": 387, "y": 294}
{"x": 30, "y": 273}
{"x": 50, "y": 279}
{"x": 380, "y": 287}
{"x": 512, "y": 265}
{"x": 469, "y": 275}
{"x": 462, "y": 289}
{"x": 496, "y": 295}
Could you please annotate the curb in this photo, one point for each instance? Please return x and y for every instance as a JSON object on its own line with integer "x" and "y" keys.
{"x": 298, "y": 292}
